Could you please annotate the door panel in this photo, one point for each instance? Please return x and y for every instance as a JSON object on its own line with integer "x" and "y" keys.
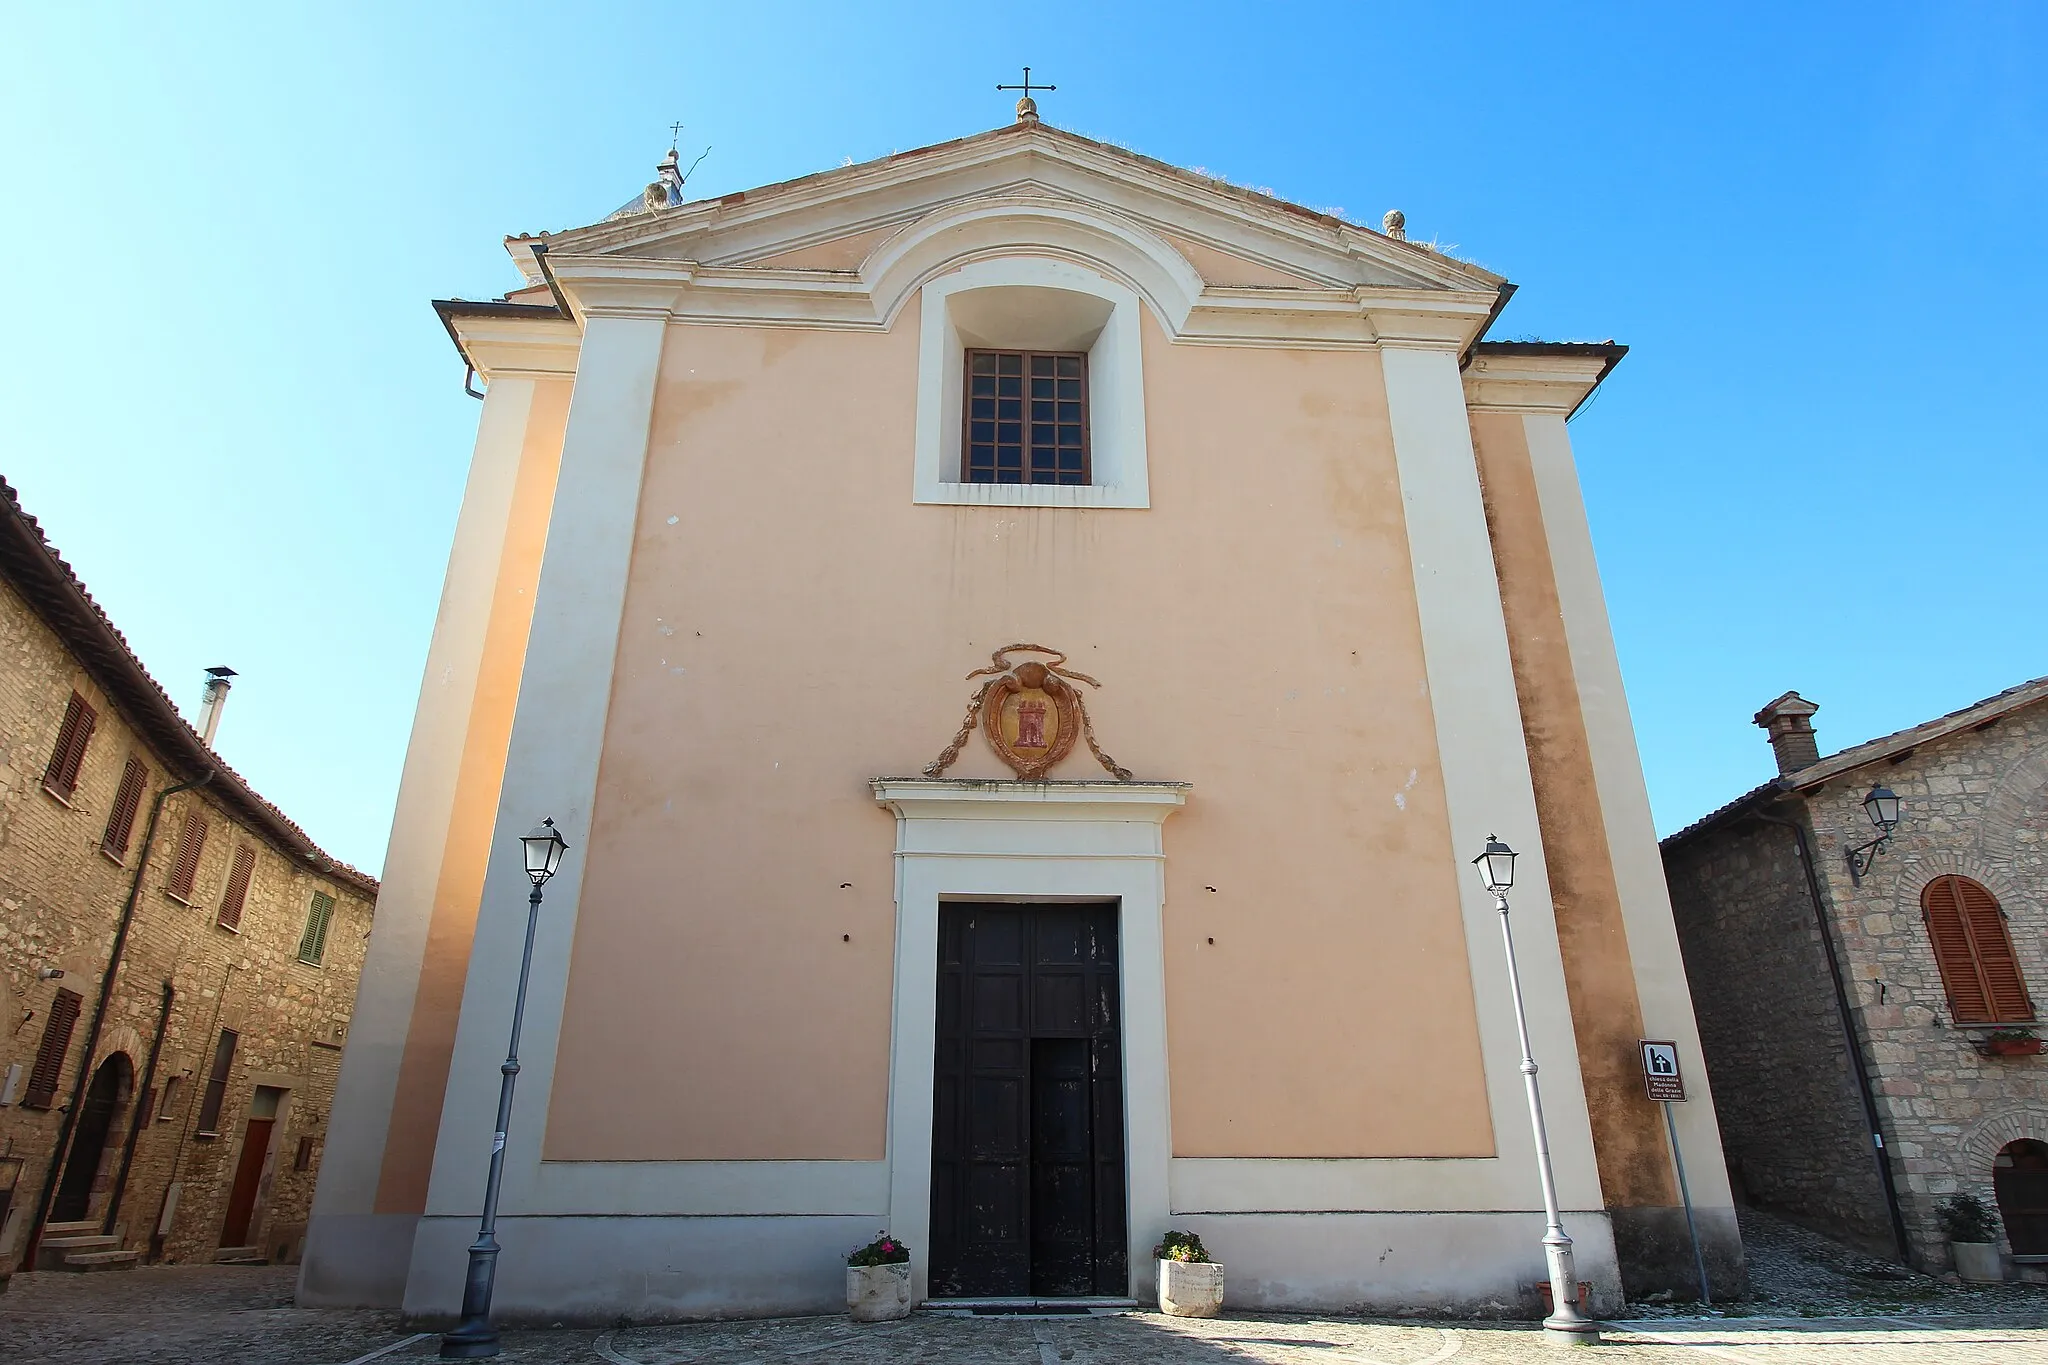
{"x": 1027, "y": 1140}
{"x": 248, "y": 1171}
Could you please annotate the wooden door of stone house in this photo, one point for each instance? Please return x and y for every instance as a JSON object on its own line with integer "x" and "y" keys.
{"x": 234, "y": 1231}
{"x": 1027, "y": 1112}
{"x": 2020, "y": 1180}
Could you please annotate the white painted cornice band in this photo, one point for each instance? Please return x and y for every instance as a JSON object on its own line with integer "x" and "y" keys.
{"x": 964, "y": 798}
{"x": 532, "y": 348}
{"x": 1554, "y": 384}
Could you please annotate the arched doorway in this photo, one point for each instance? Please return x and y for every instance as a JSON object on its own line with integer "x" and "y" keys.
{"x": 103, "y": 1100}
{"x": 2020, "y": 1179}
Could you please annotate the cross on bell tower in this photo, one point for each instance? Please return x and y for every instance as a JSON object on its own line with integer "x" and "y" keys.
{"x": 1027, "y": 107}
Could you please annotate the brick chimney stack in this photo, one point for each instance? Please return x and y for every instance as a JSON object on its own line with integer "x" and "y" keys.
{"x": 1788, "y": 721}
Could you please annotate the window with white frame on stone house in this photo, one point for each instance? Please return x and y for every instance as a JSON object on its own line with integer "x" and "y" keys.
{"x": 1974, "y": 951}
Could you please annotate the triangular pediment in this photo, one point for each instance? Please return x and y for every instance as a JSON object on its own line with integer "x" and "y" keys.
{"x": 838, "y": 220}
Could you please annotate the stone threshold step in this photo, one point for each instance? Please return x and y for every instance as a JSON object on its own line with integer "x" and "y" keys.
{"x": 101, "y": 1260}
{"x": 240, "y": 1256}
{"x": 1027, "y": 1307}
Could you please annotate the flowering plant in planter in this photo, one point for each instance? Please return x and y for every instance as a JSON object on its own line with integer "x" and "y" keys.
{"x": 878, "y": 1280}
{"x": 2013, "y": 1042}
{"x": 1185, "y": 1247}
{"x": 884, "y": 1250}
{"x": 1190, "y": 1284}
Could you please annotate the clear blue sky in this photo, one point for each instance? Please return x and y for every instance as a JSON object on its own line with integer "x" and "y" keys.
{"x": 1819, "y": 227}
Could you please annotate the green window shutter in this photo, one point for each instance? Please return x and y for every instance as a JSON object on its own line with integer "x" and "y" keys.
{"x": 313, "y": 944}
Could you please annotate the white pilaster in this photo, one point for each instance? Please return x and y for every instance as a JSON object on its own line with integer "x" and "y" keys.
{"x": 1487, "y": 785}
{"x": 551, "y": 769}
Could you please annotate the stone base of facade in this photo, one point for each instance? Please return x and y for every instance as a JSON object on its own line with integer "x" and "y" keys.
{"x": 356, "y": 1260}
{"x": 1655, "y": 1253}
{"x": 1464, "y": 1264}
{"x": 602, "y": 1270}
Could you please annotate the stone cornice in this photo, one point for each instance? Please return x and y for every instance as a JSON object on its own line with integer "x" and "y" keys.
{"x": 1517, "y": 377}
{"x": 1003, "y": 799}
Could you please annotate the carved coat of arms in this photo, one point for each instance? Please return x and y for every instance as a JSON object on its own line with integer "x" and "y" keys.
{"x": 1031, "y": 713}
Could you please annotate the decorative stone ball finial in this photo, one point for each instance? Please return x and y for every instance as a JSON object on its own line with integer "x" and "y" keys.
{"x": 1396, "y": 225}
{"x": 1027, "y": 110}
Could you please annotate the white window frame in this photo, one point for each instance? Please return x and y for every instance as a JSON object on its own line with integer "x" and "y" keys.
{"x": 1116, "y": 392}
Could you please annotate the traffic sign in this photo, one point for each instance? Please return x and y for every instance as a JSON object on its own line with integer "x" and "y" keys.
{"x": 1661, "y": 1078}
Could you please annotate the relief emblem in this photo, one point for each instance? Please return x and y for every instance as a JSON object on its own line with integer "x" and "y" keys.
{"x": 1031, "y": 713}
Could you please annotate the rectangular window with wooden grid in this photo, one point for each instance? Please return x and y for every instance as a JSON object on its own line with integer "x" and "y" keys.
{"x": 231, "y": 900}
{"x": 185, "y": 862}
{"x": 217, "y": 1083}
{"x": 61, "y": 776}
{"x": 1973, "y": 948}
{"x": 49, "y": 1068}
{"x": 1026, "y": 418}
{"x": 313, "y": 943}
{"x": 121, "y": 817}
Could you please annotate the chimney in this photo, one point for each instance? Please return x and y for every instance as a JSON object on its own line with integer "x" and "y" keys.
{"x": 212, "y": 700}
{"x": 1787, "y": 721}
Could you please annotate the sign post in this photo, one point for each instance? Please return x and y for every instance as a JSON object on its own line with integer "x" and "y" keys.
{"x": 1663, "y": 1083}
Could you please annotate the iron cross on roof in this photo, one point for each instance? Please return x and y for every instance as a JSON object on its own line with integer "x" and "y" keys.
{"x": 1027, "y": 107}
{"x": 675, "y": 133}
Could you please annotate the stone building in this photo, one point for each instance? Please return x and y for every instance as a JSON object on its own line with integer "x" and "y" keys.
{"x": 1866, "y": 1006}
{"x": 178, "y": 961}
{"x": 754, "y": 538}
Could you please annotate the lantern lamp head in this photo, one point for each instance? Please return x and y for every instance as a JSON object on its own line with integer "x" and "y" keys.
{"x": 1496, "y": 866}
{"x": 544, "y": 847}
{"x": 1882, "y": 806}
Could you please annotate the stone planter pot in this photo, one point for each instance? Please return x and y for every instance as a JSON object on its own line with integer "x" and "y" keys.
{"x": 878, "y": 1293}
{"x": 1190, "y": 1291}
{"x": 1978, "y": 1262}
{"x": 2013, "y": 1047}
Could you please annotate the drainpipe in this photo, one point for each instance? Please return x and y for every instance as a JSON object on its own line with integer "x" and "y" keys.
{"x": 99, "y": 1016}
{"x": 1847, "y": 1018}
{"x": 156, "y": 1048}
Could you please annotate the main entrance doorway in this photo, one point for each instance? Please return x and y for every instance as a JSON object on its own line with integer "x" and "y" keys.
{"x": 103, "y": 1100}
{"x": 1027, "y": 1104}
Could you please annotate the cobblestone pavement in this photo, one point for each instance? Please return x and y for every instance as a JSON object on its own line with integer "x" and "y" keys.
{"x": 189, "y": 1315}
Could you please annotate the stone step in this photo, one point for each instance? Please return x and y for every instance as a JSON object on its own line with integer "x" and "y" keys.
{"x": 50, "y": 1253}
{"x": 240, "y": 1256}
{"x": 101, "y": 1260}
{"x": 83, "y": 1228}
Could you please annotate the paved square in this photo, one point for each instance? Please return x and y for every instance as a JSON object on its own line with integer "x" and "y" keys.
{"x": 189, "y": 1315}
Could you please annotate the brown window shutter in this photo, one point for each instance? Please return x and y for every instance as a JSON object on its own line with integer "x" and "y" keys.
{"x": 238, "y": 887}
{"x": 127, "y": 800}
{"x": 49, "y": 1067}
{"x": 185, "y": 867}
{"x": 73, "y": 735}
{"x": 1974, "y": 950}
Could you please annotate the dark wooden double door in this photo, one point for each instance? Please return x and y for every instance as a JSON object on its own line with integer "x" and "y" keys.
{"x": 1028, "y": 1104}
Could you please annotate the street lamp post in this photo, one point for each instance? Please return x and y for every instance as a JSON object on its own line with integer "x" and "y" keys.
{"x": 474, "y": 1337}
{"x": 1565, "y": 1325}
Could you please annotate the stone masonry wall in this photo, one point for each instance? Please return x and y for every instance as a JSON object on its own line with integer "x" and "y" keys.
{"x": 60, "y": 900}
{"x": 1974, "y": 804}
{"x": 1792, "y": 1126}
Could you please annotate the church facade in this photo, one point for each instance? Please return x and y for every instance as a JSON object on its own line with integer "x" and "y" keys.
{"x": 1024, "y": 642}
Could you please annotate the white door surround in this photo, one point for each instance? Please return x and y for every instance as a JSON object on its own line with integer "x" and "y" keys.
{"x": 962, "y": 839}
